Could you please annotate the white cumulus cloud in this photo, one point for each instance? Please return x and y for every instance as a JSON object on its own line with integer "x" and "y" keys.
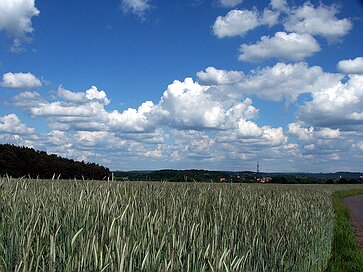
{"x": 287, "y": 46}
{"x": 20, "y": 81}
{"x": 188, "y": 105}
{"x": 328, "y": 133}
{"x": 15, "y": 19}
{"x": 133, "y": 120}
{"x": 92, "y": 94}
{"x": 251, "y": 135}
{"x": 184, "y": 105}
{"x": 338, "y": 105}
{"x": 276, "y": 83}
{"x": 27, "y": 100}
{"x": 274, "y": 136}
{"x": 215, "y": 76}
{"x": 249, "y": 129}
{"x": 319, "y": 20}
{"x": 11, "y": 124}
{"x": 80, "y": 111}
{"x": 351, "y": 66}
{"x": 301, "y": 24}
{"x": 306, "y": 134}
{"x": 236, "y": 23}
{"x": 301, "y": 133}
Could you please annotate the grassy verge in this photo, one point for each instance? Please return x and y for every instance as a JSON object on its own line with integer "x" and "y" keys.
{"x": 346, "y": 255}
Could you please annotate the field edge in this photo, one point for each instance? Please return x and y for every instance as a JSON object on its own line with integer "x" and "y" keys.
{"x": 346, "y": 254}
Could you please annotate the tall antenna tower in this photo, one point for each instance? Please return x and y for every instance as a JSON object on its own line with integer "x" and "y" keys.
{"x": 258, "y": 168}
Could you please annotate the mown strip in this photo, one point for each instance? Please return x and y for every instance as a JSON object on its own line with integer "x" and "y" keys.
{"x": 346, "y": 254}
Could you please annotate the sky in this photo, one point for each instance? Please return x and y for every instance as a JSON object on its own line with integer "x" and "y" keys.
{"x": 194, "y": 84}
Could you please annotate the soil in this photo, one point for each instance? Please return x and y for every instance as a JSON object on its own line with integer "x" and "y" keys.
{"x": 355, "y": 206}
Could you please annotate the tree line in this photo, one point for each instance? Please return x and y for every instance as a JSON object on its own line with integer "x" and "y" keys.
{"x": 199, "y": 175}
{"x": 23, "y": 161}
{"x": 288, "y": 179}
{"x": 192, "y": 175}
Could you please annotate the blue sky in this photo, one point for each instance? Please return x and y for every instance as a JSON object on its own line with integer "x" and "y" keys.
{"x": 146, "y": 84}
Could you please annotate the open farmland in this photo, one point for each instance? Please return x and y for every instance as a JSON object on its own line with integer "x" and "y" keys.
{"x": 109, "y": 226}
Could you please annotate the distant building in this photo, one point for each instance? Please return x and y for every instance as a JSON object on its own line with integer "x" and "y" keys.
{"x": 222, "y": 179}
{"x": 264, "y": 179}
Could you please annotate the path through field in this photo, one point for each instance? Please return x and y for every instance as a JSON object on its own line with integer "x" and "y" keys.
{"x": 355, "y": 205}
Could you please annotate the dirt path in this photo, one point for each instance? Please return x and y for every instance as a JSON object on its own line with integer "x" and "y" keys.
{"x": 355, "y": 205}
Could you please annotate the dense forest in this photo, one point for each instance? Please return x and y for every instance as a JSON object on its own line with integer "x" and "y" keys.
{"x": 23, "y": 161}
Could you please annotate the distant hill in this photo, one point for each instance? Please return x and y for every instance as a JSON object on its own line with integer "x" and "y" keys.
{"x": 193, "y": 175}
{"x": 196, "y": 175}
{"x": 335, "y": 175}
{"x": 23, "y": 161}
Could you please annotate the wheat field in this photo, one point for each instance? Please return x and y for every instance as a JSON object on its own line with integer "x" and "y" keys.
{"x": 114, "y": 226}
